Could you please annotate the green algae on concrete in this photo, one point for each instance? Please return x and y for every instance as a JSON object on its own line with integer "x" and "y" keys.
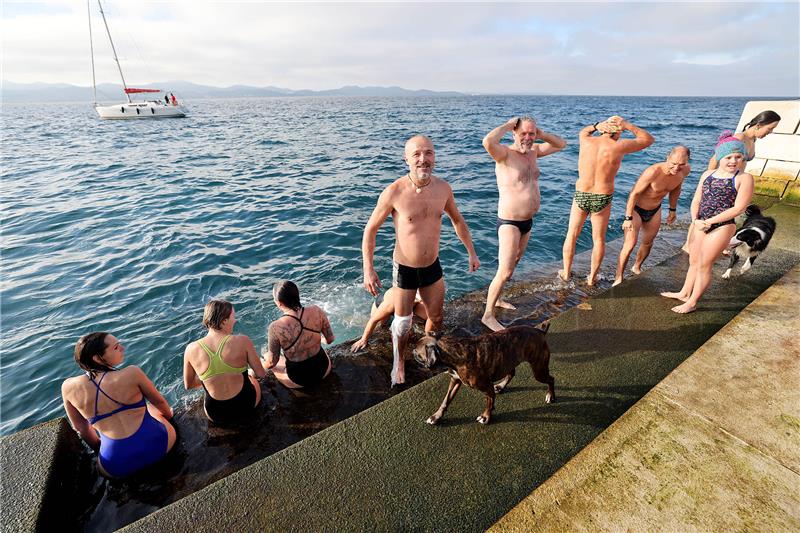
{"x": 770, "y": 186}
{"x": 386, "y": 470}
{"x": 39, "y": 478}
{"x": 709, "y": 448}
{"x": 792, "y": 194}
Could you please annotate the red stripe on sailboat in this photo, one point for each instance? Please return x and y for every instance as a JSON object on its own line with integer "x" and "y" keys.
{"x": 131, "y": 90}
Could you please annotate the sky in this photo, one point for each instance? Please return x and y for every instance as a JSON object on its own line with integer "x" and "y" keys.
{"x": 613, "y": 48}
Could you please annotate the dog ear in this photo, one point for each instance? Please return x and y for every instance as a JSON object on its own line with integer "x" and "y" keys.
{"x": 433, "y": 353}
{"x": 752, "y": 210}
{"x": 544, "y": 326}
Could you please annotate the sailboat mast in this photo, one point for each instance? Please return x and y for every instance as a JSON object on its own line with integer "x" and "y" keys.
{"x": 91, "y": 48}
{"x": 124, "y": 85}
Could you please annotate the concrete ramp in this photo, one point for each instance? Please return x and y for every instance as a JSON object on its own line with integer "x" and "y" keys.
{"x": 386, "y": 470}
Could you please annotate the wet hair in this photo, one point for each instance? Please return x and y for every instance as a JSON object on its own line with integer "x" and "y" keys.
{"x": 215, "y": 313}
{"x": 287, "y": 293}
{"x": 763, "y": 118}
{"x": 87, "y": 347}
{"x": 680, "y": 147}
{"x": 524, "y": 118}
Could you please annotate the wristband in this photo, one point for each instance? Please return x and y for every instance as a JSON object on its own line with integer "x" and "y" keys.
{"x": 673, "y": 208}
{"x": 627, "y": 218}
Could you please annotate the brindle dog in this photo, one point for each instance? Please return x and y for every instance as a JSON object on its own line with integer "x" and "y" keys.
{"x": 487, "y": 362}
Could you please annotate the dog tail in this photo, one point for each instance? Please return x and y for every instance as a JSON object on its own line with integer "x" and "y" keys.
{"x": 544, "y": 326}
{"x": 752, "y": 210}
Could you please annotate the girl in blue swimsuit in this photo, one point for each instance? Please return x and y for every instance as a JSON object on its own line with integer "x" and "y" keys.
{"x": 109, "y": 408}
{"x": 721, "y": 195}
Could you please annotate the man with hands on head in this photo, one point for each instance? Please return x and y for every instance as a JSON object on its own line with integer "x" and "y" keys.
{"x": 416, "y": 203}
{"x": 517, "y": 171}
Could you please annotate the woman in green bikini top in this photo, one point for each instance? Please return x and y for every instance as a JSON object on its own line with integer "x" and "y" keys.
{"x": 219, "y": 364}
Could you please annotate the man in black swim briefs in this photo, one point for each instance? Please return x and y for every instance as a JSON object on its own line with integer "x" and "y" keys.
{"x": 643, "y": 211}
{"x": 416, "y": 202}
{"x": 517, "y": 171}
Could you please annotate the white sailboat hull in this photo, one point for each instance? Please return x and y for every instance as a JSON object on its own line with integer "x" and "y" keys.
{"x": 139, "y": 110}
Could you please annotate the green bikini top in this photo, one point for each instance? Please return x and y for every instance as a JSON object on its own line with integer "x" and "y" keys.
{"x": 216, "y": 366}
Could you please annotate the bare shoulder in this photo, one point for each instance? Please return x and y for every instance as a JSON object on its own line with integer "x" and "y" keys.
{"x": 440, "y": 183}
{"x": 317, "y": 311}
{"x": 132, "y": 371}
{"x": 70, "y": 384}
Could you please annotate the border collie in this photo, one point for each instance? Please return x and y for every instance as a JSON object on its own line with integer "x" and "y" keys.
{"x": 750, "y": 240}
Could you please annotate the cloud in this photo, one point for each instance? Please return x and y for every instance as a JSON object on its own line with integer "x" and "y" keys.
{"x": 595, "y": 48}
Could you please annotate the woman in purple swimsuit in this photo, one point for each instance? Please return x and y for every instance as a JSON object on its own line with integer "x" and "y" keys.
{"x": 721, "y": 195}
{"x": 109, "y": 408}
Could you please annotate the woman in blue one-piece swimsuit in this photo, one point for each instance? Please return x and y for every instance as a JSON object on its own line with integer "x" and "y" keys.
{"x": 721, "y": 195}
{"x": 109, "y": 408}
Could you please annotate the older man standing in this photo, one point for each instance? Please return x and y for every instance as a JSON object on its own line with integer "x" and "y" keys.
{"x": 599, "y": 160}
{"x": 416, "y": 202}
{"x": 517, "y": 171}
{"x": 643, "y": 211}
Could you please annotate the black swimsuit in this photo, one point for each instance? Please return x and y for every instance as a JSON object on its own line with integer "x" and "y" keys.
{"x": 233, "y": 409}
{"x": 646, "y": 214}
{"x": 309, "y": 371}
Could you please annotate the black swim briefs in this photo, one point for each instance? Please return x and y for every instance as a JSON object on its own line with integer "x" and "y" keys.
{"x": 406, "y": 277}
{"x": 646, "y": 214}
{"x": 523, "y": 225}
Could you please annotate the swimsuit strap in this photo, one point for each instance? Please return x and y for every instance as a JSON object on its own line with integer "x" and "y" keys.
{"x": 122, "y": 406}
{"x": 218, "y": 353}
{"x": 302, "y": 327}
{"x": 216, "y": 365}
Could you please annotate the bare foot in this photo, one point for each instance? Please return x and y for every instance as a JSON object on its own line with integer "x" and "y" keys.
{"x": 684, "y": 308}
{"x": 616, "y": 282}
{"x": 636, "y": 269}
{"x": 505, "y": 305}
{"x": 563, "y": 277}
{"x": 685, "y": 248}
{"x": 726, "y": 252}
{"x": 491, "y": 322}
{"x": 675, "y": 296}
{"x": 398, "y": 377}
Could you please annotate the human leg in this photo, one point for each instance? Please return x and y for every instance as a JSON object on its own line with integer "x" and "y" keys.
{"x": 577, "y": 217}
{"x": 279, "y": 371}
{"x": 433, "y": 298}
{"x": 509, "y": 238}
{"x": 599, "y": 227}
{"x": 401, "y": 328}
{"x": 631, "y": 236}
{"x": 649, "y": 232}
{"x": 691, "y": 272}
{"x": 713, "y": 244}
{"x": 171, "y": 435}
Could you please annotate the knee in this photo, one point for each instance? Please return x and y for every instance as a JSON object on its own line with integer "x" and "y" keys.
{"x": 401, "y": 326}
{"x": 503, "y": 275}
{"x": 647, "y": 244}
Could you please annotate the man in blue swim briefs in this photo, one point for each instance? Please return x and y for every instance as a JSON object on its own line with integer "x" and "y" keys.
{"x": 416, "y": 202}
{"x": 517, "y": 171}
{"x": 599, "y": 159}
{"x": 643, "y": 211}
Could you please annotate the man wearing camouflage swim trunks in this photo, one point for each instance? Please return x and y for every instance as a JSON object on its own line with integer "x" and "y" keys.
{"x": 599, "y": 160}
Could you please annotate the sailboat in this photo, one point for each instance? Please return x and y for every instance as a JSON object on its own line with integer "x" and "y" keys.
{"x": 166, "y": 108}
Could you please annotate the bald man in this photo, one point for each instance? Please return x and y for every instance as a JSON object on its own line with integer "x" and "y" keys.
{"x": 643, "y": 211}
{"x": 416, "y": 202}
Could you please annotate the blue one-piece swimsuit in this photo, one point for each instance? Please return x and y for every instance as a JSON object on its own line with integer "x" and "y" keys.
{"x": 123, "y": 457}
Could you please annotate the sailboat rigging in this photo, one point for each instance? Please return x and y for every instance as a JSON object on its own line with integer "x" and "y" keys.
{"x": 168, "y": 108}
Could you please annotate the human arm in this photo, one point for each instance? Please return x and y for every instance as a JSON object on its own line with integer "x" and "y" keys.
{"x": 81, "y": 425}
{"x": 190, "y": 378}
{"x": 713, "y": 163}
{"x": 273, "y": 354}
{"x": 150, "y": 392}
{"x": 694, "y": 210}
{"x": 383, "y": 312}
{"x": 460, "y": 225}
{"x": 253, "y": 360}
{"x": 641, "y": 185}
{"x": 552, "y": 143}
{"x": 674, "y": 195}
{"x": 492, "y": 140}
{"x": 379, "y": 215}
{"x": 325, "y": 329}
{"x": 588, "y": 131}
{"x": 643, "y": 139}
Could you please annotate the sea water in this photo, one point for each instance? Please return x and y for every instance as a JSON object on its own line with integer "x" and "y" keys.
{"x": 132, "y": 226}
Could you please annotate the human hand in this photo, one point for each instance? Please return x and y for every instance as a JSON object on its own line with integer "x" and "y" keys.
{"x": 702, "y": 224}
{"x": 474, "y": 263}
{"x": 372, "y": 282}
{"x": 513, "y": 123}
{"x": 360, "y": 344}
{"x": 627, "y": 225}
{"x": 671, "y": 217}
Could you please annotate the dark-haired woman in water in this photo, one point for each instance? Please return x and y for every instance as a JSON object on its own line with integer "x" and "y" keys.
{"x": 109, "y": 408}
{"x": 298, "y": 334}
{"x": 218, "y": 362}
{"x": 759, "y": 127}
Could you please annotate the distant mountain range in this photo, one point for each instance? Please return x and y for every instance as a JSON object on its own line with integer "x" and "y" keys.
{"x": 110, "y": 93}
